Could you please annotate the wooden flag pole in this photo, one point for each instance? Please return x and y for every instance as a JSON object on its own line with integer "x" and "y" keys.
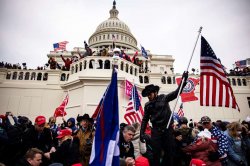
{"x": 182, "y": 82}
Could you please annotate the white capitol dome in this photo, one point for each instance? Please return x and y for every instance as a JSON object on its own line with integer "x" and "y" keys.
{"x": 111, "y": 30}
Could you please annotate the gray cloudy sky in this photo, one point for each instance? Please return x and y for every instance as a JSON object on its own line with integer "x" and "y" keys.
{"x": 28, "y": 28}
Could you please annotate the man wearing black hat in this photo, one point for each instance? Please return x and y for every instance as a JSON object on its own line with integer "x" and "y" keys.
{"x": 158, "y": 111}
{"x": 85, "y": 136}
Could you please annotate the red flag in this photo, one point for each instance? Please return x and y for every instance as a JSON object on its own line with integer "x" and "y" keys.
{"x": 215, "y": 89}
{"x": 60, "y": 111}
{"x": 188, "y": 91}
{"x": 134, "y": 111}
{"x": 180, "y": 111}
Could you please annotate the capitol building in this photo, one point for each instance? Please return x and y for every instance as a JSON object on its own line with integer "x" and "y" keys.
{"x": 39, "y": 92}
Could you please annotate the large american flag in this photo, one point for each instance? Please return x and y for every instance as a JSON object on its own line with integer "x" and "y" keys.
{"x": 180, "y": 112}
{"x": 134, "y": 111}
{"x": 60, "y": 45}
{"x": 215, "y": 89}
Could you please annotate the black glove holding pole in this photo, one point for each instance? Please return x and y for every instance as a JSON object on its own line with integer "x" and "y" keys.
{"x": 184, "y": 78}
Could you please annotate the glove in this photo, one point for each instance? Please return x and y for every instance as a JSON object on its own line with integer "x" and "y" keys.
{"x": 142, "y": 137}
{"x": 185, "y": 76}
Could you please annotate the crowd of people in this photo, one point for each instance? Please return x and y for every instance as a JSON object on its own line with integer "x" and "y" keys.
{"x": 48, "y": 143}
{"x": 52, "y": 63}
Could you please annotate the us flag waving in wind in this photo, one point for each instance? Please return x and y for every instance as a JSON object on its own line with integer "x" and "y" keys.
{"x": 134, "y": 111}
{"x": 215, "y": 89}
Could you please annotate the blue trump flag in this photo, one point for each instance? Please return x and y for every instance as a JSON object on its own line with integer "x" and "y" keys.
{"x": 105, "y": 149}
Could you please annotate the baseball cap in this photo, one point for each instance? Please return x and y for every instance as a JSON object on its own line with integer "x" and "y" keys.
{"x": 205, "y": 119}
{"x": 64, "y": 133}
{"x": 40, "y": 120}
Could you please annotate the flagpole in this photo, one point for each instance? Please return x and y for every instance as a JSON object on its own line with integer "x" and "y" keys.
{"x": 182, "y": 82}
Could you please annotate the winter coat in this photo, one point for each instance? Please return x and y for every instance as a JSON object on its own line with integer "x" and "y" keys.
{"x": 236, "y": 153}
{"x": 201, "y": 149}
{"x": 42, "y": 141}
{"x": 86, "y": 140}
{"x": 126, "y": 148}
{"x": 67, "y": 153}
{"x": 139, "y": 147}
{"x": 158, "y": 111}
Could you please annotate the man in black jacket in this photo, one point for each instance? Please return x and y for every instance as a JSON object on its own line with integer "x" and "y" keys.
{"x": 126, "y": 146}
{"x": 158, "y": 111}
{"x": 38, "y": 137}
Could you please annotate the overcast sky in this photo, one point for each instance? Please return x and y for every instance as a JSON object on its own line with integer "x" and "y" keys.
{"x": 28, "y": 28}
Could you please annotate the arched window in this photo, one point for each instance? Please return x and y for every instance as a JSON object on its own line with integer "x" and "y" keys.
{"x": 39, "y": 76}
{"x": 76, "y": 68}
{"x": 91, "y": 63}
{"x": 169, "y": 81}
{"x": 173, "y": 80}
{"x": 126, "y": 68}
{"x": 8, "y": 76}
{"x": 244, "y": 82}
{"x": 146, "y": 79}
{"x": 14, "y": 77}
{"x": 239, "y": 82}
{"x": 63, "y": 77}
{"x": 20, "y": 77}
{"x": 45, "y": 76}
{"x": 80, "y": 66}
{"x": 27, "y": 76}
{"x": 229, "y": 80}
{"x": 233, "y": 82}
{"x": 122, "y": 64}
{"x": 85, "y": 64}
{"x": 72, "y": 69}
{"x": 135, "y": 71}
{"x": 163, "y": 79}
{"x": 106, "y": 64}
{"x": 100, "y": 64}
{"x": 131, "y": 69}
{"x": 33, "y": 76}
{"x": 140, "y": 78}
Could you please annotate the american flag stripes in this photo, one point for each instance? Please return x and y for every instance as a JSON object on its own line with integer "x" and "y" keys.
{"x": 215, "y": 89}
{"x": 180, "y": 112}
{"x": 134, "y": 111}
{"x": 60, "y": 45}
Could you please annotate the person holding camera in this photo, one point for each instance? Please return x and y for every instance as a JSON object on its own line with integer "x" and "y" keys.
{"x": 157, "y": 109}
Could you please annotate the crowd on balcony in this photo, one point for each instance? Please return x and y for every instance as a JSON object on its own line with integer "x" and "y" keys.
{"x": 46, "y": 142}
{"x": 239, "y": 71}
